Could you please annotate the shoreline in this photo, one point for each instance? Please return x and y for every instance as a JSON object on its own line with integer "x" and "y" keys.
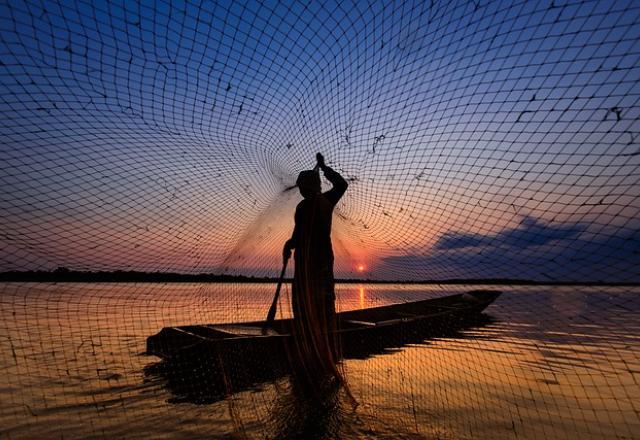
{"x": 67, "y": 276}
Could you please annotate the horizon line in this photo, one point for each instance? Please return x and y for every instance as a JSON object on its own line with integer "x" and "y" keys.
{"x": 67, "y": 275}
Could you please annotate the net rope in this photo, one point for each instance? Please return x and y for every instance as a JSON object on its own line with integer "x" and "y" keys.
{"x": 482, "y": 140}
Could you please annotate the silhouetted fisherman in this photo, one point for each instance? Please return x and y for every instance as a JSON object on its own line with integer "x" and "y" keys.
{"x": 313, "y": 296}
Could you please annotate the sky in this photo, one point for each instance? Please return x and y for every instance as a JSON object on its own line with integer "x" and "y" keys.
{"x": 481, "y": 139}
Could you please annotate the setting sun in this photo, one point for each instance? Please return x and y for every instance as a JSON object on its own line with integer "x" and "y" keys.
{"x": 361, "y": 267}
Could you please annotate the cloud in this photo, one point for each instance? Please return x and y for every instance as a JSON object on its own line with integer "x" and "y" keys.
{"x": 534, "y": 250}
{"x": 530, "y": 232}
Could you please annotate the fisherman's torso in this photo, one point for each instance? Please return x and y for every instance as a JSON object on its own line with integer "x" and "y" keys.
{"x": 313, "y": 218}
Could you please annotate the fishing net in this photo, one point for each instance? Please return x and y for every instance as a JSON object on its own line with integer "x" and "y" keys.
{"x": 147, "y": 151}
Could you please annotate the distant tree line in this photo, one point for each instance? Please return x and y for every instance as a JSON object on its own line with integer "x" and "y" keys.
{"x": 65, "y": 275}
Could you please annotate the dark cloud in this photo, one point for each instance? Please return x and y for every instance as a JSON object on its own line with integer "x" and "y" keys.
{"x": 530, "y": 232}
{"x": 534, "y": 250}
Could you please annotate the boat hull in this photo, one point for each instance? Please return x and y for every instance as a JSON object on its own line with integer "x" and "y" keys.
{"x": 357, "y": 327}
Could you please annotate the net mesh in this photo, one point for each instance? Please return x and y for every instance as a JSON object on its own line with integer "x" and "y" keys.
{"x": 483, "y": 142}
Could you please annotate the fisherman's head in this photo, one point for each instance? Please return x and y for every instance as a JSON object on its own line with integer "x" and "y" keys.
{"x": 308, "y": 183}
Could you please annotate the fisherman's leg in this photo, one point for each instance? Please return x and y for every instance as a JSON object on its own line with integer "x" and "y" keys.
{"x": 299, "y": 309}
{"x": 328, "y": 310}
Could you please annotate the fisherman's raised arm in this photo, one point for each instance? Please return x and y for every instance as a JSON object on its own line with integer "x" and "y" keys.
{"x": 339, "y": 184}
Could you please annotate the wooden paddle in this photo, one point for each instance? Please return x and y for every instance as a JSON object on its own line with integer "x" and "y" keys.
{"x": 274, "y": 305}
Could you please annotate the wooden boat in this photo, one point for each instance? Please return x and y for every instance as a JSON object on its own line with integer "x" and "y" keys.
{"x": 205, "y": 363}
{"x": 356, "y": 326}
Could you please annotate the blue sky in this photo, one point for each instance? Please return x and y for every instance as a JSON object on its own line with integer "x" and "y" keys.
{"x": 160, "y": 136}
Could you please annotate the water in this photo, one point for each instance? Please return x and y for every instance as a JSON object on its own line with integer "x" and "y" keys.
{"x": 555, "y": 362}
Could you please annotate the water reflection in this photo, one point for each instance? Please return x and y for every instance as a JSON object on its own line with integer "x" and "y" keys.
{"x": 301, "y": 414}
{"x": 557, "y": 362}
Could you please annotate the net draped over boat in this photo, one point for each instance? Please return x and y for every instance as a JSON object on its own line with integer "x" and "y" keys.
{"x": 481, "y": 140}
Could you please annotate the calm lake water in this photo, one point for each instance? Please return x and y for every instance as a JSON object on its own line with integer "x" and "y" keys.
{"x": 553, "y": 362}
